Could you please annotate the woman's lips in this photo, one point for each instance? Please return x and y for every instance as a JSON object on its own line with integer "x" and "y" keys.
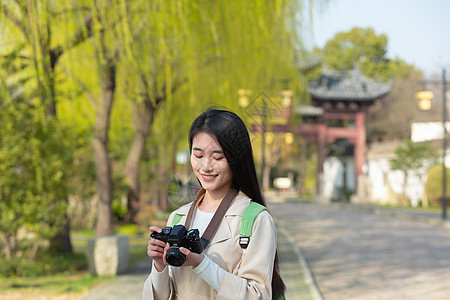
{"x": 208, "y": 177}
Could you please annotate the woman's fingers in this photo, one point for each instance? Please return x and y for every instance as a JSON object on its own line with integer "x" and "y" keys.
{"x": 157, "y": 243}
{"x": 155, "y": 228}
{"x": 166, "y": 248}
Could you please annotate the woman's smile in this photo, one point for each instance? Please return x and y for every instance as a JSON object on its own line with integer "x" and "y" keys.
{"x": 209, "y": 177}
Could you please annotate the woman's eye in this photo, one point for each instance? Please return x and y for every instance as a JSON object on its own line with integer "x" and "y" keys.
{"x": 198, "y": 156}
{"x": 219, "y": 158}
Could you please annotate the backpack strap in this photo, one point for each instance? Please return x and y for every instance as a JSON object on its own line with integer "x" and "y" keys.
{"x": 249, "y": 216}
{"x": 176, "y": 219}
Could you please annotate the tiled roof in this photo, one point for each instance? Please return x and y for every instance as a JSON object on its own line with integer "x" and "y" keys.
{"x": 308, "y": 110}
{"x": 351, "y": 86}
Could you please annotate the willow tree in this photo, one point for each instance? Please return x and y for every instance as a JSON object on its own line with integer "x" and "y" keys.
{"x": 29, "y": 37}
{"x": 167, "y": 58}
{"x": 72, "y": 24}
{"x": 181, "y": 55}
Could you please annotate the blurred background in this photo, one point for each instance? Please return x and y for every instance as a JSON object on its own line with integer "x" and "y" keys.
{"x": 97, "y": 97}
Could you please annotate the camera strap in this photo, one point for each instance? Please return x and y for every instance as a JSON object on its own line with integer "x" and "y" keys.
{"x": 218, "y": 215}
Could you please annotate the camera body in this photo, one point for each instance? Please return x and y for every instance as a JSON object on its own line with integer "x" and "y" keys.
{"x": 178, "y": 236}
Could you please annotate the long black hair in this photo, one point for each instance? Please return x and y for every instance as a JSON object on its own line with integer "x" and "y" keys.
{"x": 234, "y": 139}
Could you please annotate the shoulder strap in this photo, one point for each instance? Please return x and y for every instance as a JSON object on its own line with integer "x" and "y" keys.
{"x": 217, "y": 217}
{"x": 219, "y": 214}
{"x": 249, "y": 216}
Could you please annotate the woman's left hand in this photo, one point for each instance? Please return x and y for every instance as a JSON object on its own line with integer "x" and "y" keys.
{"x": 193, "y": 259}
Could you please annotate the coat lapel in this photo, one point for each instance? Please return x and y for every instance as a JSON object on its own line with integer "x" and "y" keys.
{"x": 238, "y": 206}
{"x": 223, "y": 233}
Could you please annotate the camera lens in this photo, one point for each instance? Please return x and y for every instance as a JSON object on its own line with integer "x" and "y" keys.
{"x": 174, "y": 257}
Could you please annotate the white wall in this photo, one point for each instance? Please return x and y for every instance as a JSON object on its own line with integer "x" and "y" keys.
{"x": 385, "y": 185}
{"x": 333, "y": 171}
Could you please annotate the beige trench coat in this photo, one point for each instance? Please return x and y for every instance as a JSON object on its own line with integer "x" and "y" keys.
{"x": 248, "y": 272}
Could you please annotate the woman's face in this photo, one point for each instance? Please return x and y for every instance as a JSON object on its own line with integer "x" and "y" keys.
{"x": 210, "y": 164}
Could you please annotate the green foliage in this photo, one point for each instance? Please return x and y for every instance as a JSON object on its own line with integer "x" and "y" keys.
{"x": 129, "y": 230}
{"x": 364, "y": 48}
{"x": 179, "y": 55}
{"x": 34, "y": 156}
{"x": 413, "y": 157}
{"x": 69, "y": 286}
{"x": 433, "y": 185}
{"x": 359, "y": 46}
{"x": 118, "y": 210}
{"x": 45, "y": 264}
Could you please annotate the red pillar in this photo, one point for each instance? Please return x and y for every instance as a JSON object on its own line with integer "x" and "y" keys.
{"x": 321, "y": 154}
{"x": 360, "y": 145}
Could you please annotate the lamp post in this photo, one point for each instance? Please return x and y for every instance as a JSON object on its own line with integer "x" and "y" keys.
{"x": 425, "y": 104}
{"x": 444, "y": 146}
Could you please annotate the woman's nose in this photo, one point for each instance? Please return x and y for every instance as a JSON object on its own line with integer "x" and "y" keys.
{"x": 207, "y": 164}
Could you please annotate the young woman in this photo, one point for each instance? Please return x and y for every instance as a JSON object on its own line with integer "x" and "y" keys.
{"x": 222, "y": 160}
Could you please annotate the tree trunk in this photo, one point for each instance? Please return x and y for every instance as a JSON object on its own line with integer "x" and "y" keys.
{"x": 405, "y": 201}
{"x": 344, "y": 180}
{"x": 266, "y": 177}
{"x": 164, "y": 183}
{"x": 144, "y": 117}
{"x": 61, "y": 241}
{"x": 100, "y": 145}
{"x": 302, "y": 171}
{"x": 8, "y": 247}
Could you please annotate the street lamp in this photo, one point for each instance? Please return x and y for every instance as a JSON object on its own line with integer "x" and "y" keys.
{"x": 425, "y": 104}
{"x": 244, "y": 96}
{"x": 424, "y": 98}
{"x": 444, "y": 146}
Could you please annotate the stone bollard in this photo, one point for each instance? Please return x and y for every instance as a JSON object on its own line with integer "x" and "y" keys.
{"x": 108, "y": 255}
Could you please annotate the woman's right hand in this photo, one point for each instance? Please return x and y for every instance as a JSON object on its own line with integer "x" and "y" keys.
{"x": 157, "y": 250}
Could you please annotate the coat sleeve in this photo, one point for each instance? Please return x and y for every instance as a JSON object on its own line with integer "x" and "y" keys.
{"x": 149, "y": 292}
{"x": 253, "y": 278}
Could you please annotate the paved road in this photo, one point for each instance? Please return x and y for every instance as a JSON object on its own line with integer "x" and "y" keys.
{"x": 123, "y": 287}
{"x": 355, "y": 254}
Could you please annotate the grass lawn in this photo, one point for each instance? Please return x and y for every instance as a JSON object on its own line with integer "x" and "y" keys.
{"x": 60, "y": 286}
{"x": 64, "y": 286}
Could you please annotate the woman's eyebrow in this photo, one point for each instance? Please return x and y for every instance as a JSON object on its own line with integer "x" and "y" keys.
{"x": 214, "y": 151}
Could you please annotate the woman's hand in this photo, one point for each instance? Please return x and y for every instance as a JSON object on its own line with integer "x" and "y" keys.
{"x": 193, "y": 259}
{"x": 157, "y": 250}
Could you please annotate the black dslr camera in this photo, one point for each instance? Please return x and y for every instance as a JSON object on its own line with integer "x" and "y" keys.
{"x": 177, "y": 237}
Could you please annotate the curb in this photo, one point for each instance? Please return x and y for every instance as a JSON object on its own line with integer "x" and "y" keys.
{"x": 305, "y": 268}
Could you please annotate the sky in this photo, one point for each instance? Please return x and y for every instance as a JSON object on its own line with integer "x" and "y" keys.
{"x": 418, "y": 31}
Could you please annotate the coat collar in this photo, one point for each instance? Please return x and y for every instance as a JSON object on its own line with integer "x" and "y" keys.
{"x": 237, "y": 206}
{"x": 223, "y": 232}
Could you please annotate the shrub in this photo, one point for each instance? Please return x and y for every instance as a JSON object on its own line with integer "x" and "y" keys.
{"x": 129, "y": 230}
{"x": 44, "y": 264}
{"x": 118, "y": 212}
{"x": 433, "y": 185}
